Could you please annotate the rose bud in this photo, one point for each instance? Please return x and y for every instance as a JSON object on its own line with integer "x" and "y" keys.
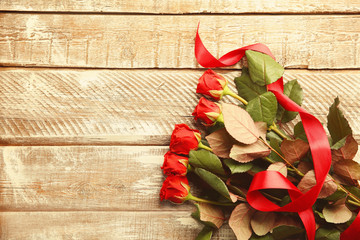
{"x": 184, "y": 139}
{"x": 175, "y": 164}
{"x": 175, "y": 189}
{"x": 208, "y": 112}
{"x": 212, "y": 84}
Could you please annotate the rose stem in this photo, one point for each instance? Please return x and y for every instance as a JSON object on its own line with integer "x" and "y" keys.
{"x": 274, "y": 128}
{"x": 227, "y": 91}
{"x": 201, "y": 145}
{"x": 191, "y": 197}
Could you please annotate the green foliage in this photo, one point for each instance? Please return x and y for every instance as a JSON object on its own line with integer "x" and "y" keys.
{"x": 293, "y": 90}
{"x": 206, "y": 160}
{"x": 286, "y": 232}
{"x": 263, "y": 108}
{"x": 262, "y": 68}
{"x": 266, "y": 237}
{"x": 214, "y": 181}
{"x": 337, "y": 124}
{"x": 299, "y": 132}
{"x": 275, "y": 144}
{"x": 246, "y": 88}
{"x": 205, "y": 234}
{"x": 327, "y": 234}
{"x": 336, "y": 196}
{"x": 237, "y": 167}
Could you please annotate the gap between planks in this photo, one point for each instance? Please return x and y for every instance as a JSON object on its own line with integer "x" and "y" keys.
{"x": 184, "y": 6}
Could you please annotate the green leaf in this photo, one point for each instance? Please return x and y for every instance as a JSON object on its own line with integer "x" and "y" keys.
{"x": 214, "y": 181}
{"x": 339, "y": 144}
{"x": 206, "y": 160}
{"x": 299, "y": 132}
{"x": 327, "y": 234}
{"x": 293, "y": 90}
{"x": 275, "y": 144}
{"x": 337, "y": 124}
{"x": 263, "y": 108}
{"x": 336, "y": 196}
{"x": 205, "y": 234}
{"x": 237, "y": 167}
{"x": 262, "y": 68}
{"x": 266, "y": 237}
{"x": 272, "y": 135}
{"x": 285, "y": 232}
{"x": 246, "y": 88}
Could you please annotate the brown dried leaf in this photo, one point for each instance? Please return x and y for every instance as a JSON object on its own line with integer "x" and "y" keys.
{"x": 308, "y": 181}
{"x": 240, "y": 221}
{"x": 211, "y": 213}
{"x": 234, "y": 198}
{"x": 262, "y": 127}
{"x": 337, "y": 213}
{"x": 348, "y": 151}
{"x": 246, "y": 153}
{"x": 347, "y": 169}
{"x": 294, "y": 150}
{"x": 239, "y": 124}
{"x": 221, "y": 142}
{"x": 278, "y": 166}
{"x": 304, "y": 167}
{"x": 262, "y": 222}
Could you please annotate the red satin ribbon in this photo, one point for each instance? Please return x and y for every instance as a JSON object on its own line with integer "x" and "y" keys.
{"x": 320, "y": 149}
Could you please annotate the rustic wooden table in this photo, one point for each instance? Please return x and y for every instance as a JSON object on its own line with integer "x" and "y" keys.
{"x": 90, "y": 92}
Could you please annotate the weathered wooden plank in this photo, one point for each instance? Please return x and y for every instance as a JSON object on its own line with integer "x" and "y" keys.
{"x": 135, "y": 41}
{"x": 184, "y": 6}
{"x": 76, "y": 107}
{"x": 103, "y": 225}
{"x": 82, "y": 178}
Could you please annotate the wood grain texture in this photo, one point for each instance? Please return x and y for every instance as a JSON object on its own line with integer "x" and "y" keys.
{"x": 184, "y": 6}
{"x": 135, "y": 41}
{"x": 75, "y": 107}
{"x": 102, "y": 225}
{"x": 83, "y": 178}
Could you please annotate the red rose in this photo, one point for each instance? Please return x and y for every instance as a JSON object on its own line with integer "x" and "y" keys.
{"x": 184, "y": 139}
{"x": 175, "y": 189}
{"x": 175, "y": 164}
{"x": 211, "y": 84}
{"x": 207, "y": 111}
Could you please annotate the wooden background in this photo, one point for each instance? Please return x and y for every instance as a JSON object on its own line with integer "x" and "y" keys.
{"x": 90, "y": 92}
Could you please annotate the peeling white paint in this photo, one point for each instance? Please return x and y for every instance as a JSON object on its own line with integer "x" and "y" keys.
{"x": 187, "y": 221}
{"x": 31, "y": 25}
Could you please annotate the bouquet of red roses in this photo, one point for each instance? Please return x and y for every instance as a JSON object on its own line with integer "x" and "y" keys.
{"x": 273, "y": 183}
